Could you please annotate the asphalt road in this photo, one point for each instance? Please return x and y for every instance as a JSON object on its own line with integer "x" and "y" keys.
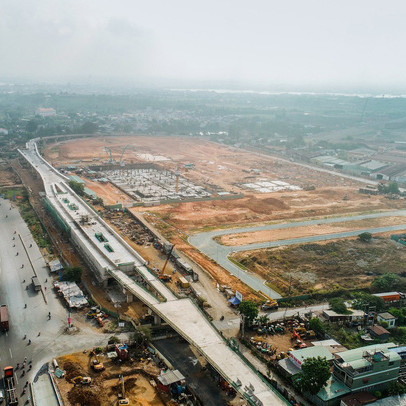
{"x": 53, "y": 340}
{"x": 205, "y": 242}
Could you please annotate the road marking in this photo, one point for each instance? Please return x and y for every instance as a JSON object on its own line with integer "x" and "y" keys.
{"x": 11, "y": 354}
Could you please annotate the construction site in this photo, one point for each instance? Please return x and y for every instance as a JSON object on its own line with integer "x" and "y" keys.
{"x": 151, "y": 186}
{"x": 237, "y": 188}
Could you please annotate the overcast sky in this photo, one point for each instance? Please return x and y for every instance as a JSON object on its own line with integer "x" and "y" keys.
{"x": 295, "y": 42}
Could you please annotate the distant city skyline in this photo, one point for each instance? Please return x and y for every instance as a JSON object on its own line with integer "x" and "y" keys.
{"x": 270, "y": 44}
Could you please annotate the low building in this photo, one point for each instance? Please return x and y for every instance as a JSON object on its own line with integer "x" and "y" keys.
{"x": 299, "y": 356}
{"x": 380, "y": 333}
{"x": 332, "y": 345}
{"x": 390, "y": 297}
{"x": 369, "y": 368}
{"x": 292, "y": 365}
{"x": 45, "y": 112}
{"x": 402, "y": 371}
{"x": 388, "y": 318}
{"x": 355, "y": 315}
{"x": 358, "y": 399}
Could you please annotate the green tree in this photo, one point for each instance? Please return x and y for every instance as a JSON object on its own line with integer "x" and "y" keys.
{"x": 89, "y": 128}
{"x": 316, "y": 325}
{"x": 391, "y": 188}
{"x": 31, "y": 126}
{"x": 396, "y": 388}
{"x": 363, "y": 300}
{"x": 314, "y": 376}
{"x": 77, "y": 187}
{"x": 249, "y": 309}
{"x": 141, "y": 336}
{"x": 73, "y": 274}
{"x": 399, "y": 314}
{"x": 365, "y": 237}
{"x": 337, "y": 304}
{"x": 385, "y": 282}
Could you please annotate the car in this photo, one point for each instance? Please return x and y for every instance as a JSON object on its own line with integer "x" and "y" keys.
{"x": 1, "y": 396}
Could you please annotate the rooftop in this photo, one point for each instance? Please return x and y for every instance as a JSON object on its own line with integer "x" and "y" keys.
{"x": 318, "y": 351}
{"x": 386, "y": 316}
{"x": 358, "y": 353}
{"x": 333, "y": 389}
{"x": 379, "y": 330}
{"x": 354, "y": 313}
{"x": 358, "y": 399}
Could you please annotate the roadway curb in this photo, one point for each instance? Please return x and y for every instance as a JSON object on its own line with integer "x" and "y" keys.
{"x": 32, "y": 266}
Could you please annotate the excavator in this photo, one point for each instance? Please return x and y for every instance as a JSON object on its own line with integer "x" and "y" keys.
{"x": 164, "y": 276}
{"x": 270, "y": 304}
{"x": 122, "y": 400}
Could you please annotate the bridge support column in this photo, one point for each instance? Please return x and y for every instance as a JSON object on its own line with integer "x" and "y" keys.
{"x": 157, "y": 320}
{"x": 130, "y": 296}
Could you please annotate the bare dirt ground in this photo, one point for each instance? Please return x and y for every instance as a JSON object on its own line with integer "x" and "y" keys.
{"x": 306, "y": 268}
{"x": 8, "y": 178}
{"x": 105, "y": 385}
{"x": 224, "y": 166}
{"x": 108, "y": 192}
{"x": 258, "y": 209}
{"x": 318, "y": 229}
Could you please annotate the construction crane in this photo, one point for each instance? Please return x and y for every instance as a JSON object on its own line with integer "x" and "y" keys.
{"x": 122, "y": 399}
{"x": 164, "y": 276}
{"x": 108, "y": 150}
{"x": 270, "y": 304}
{"x": 121, "y": 157}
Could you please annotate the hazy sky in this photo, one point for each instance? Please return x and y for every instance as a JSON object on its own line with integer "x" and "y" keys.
{"x": 295, "y": 42}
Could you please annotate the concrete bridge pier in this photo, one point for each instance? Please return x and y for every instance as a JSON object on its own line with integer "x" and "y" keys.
{"x": 157, "y": 320}
{"x": 129, "y": 295}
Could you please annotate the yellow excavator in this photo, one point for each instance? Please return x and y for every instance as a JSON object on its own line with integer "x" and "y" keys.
{"x": 122, "y": 400}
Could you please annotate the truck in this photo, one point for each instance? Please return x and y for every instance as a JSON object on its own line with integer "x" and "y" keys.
{"x": 9, "y": 386}
{"x": 4, "y": 317}
{"x": 35, "y": 283}
{"x": 270, "y": 304}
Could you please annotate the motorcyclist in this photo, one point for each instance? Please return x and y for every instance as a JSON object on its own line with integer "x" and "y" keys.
{"x": 18, "y": 366}
{"x": 39, "y": 333}
{"x": 25, "y": 306}
{"x": 29, "y": 342}
{"x": 24, "y": 281}
{"x": 25, "y": 336}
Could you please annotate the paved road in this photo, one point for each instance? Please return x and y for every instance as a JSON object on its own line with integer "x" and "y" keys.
{"x": 205, "y": 242}
{"x": 53, "y": 340}
{"x": 289, "y": 312}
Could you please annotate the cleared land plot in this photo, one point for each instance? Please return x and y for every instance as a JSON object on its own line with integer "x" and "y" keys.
{"x": 108, "y": 192}
{"x": 224, "y": 166}
{"x": 257, "y": 209}
{"x": 338, "y": 264}
{"x": 297, "y": 232}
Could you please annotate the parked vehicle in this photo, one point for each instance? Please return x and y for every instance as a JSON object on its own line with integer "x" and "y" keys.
{"x": 35, "y": 283}
{"x": 9, "y": 386}
{"x": 4, "y": 318}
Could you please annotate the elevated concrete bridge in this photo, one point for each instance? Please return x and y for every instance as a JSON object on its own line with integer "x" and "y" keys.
{"x": 111, "y": 257}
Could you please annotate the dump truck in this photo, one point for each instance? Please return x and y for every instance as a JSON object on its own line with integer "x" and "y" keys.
{"x": 4, "y": 318}
{"x": 9, "y": 386}
{"x": 35, "y": 283}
